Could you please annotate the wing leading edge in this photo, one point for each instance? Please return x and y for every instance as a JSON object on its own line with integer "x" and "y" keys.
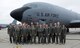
{"x": 74, "y": 24}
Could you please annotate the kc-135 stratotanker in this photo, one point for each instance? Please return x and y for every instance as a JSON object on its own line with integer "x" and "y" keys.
{"x": 46, "y": 13}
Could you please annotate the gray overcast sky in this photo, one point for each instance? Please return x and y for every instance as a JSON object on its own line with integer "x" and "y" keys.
{"x": 6, "y": 6}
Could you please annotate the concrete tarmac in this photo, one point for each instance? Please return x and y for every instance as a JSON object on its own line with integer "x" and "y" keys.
{"x": 73, "y": 41}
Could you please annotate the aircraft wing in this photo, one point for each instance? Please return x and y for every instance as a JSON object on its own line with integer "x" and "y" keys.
{"x": 2, "y": 26}
{"x": 74, "y": 24}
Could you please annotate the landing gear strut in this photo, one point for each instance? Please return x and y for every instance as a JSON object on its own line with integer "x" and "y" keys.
{"x": 67, "y": 30}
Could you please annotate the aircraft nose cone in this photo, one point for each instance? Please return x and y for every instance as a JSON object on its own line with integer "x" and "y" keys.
{"x": 18, "y": 13}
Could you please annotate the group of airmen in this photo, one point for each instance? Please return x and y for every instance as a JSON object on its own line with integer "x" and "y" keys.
{"x": 37, "y": 33}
